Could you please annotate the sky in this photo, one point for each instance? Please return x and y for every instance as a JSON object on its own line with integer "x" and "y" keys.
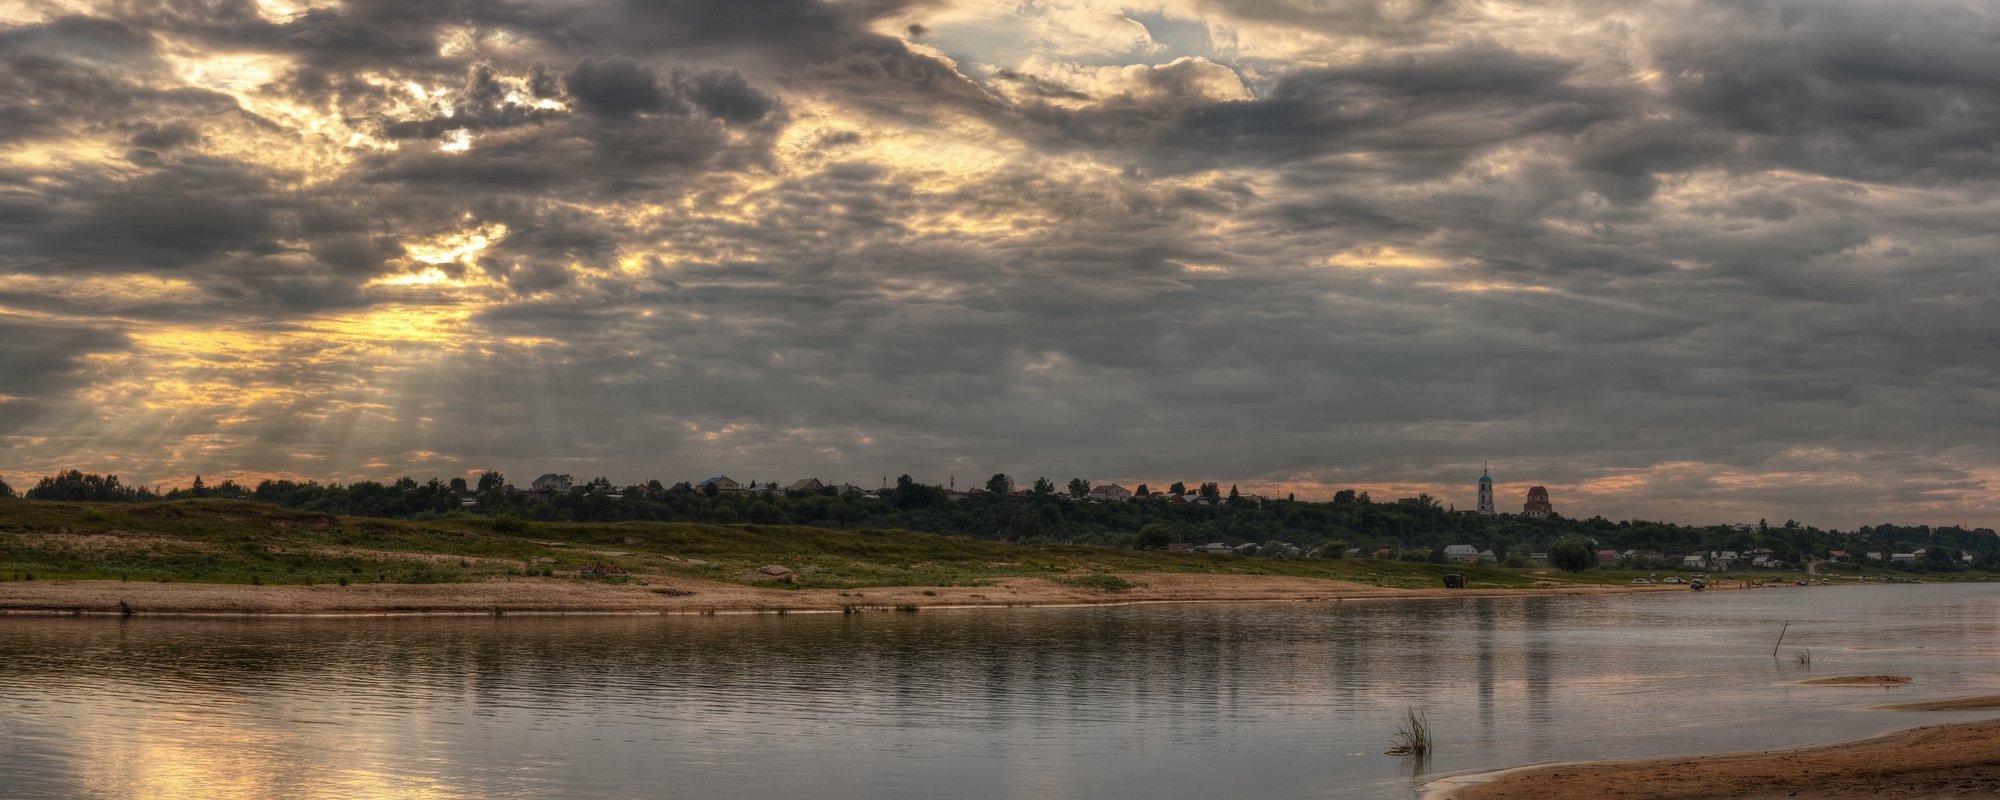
{"x": 1694, "y": 261}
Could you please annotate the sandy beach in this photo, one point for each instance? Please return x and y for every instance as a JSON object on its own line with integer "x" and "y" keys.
{"x": 1943, "y": 761}
{"x": 676, "y": 595}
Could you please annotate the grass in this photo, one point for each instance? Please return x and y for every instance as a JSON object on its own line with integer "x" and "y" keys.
{"x": 1414, "y": 737}
{"x": 220, "y": 541}
{"x": 1802, "y": 658}
{"x": 1102, "y": 583}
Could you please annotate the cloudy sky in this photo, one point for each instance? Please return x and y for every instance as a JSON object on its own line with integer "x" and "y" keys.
{"x": 1701, "y": 261}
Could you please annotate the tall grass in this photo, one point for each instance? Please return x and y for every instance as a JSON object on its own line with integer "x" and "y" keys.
{"x": 1414, "y": 737}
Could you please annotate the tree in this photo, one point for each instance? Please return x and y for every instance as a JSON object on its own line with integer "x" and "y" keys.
{"x": 458, "y": 486}
{"x": 999, "y": 483}
{"x": 1078, "y": 487}
{"x": 76, "y": 485}
{"x": 1178, "y": 488}
{"x": 909, "y": 495}
{"x": 490, "y": 481}
{"x": 1333, "y": 549}
{"x": 1344, "y": 497}
{"x": 1573, "y": 554}
{"x": 1154, "y": 536}
{"x": 198, "y": 489}
{"x": 1235, "y": 497}
{"x": 1142, "y": 491}
{"x": 1044, "y": 486}
{"x": 5, "y": 490}
{"x": 1211, "y": 490}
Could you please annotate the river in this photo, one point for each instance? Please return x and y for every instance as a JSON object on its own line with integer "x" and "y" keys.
{"x": 1154, "y": 701}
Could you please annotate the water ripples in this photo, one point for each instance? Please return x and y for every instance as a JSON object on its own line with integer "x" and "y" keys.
{"x": 1169, "y": 701}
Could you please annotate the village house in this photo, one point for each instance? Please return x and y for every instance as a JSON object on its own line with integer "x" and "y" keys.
{"x": 1606, "y": 558}
{"x": 1461, "y": 553}
{"x": 551, "y": 482}
{"x": 806, "y": 485}
{"x": 721, "y": 484}
{"x": 1109, "y": 493}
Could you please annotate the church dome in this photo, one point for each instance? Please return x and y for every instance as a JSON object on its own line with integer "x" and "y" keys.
{"x": 1484, "y": 478}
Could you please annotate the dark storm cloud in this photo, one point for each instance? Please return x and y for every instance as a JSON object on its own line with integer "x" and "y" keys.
{"x": 615, "y": 87}
{"x": 1719, "y": 249}
{"x": 43, "y": 362}
{"x": 1425, "y": 112}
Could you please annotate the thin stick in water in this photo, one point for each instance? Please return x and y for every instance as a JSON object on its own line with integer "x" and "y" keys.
{"x": 1781, "y": 638}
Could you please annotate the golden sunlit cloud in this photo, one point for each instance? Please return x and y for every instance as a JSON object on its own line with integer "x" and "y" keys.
{"x": 1385, "y": 257}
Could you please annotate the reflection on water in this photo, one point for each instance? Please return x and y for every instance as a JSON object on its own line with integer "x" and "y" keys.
{"x": 1296, "y": 700}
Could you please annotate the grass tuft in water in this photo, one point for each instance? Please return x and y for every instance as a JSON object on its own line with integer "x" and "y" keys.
{"x": 1414, "y": 737}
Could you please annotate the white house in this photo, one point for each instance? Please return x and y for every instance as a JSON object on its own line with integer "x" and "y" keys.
{"x": 1461, "y": 553}
{"x": 550, "y": 482}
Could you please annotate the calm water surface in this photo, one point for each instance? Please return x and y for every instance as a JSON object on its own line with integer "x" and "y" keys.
{"x": 1162, "y": 701}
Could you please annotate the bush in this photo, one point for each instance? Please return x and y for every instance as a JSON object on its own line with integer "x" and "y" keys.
{"x": 1333, "y": 549}
{"x": 1573, "y": 554}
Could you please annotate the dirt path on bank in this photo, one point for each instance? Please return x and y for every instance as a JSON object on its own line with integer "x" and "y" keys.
{"x": 677, "y": 595}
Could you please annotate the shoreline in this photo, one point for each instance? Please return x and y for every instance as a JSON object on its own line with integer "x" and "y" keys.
{"x": 656, "y": 595}
{"x": 1934, "y": 761}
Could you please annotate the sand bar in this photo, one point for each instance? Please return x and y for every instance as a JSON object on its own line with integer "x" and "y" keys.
{"x": 1959, "y": 704}
{"x": 681, "y": 595}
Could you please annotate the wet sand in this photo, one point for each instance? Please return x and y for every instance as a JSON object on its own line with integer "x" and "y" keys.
{"x": 1946, "y": 761}
{"x": 1960, "y": 704}
{"x": 653, "y": 594}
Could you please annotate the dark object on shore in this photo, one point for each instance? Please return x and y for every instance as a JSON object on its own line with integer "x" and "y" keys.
{"x": 1697, "y": 584}
{"x": 1454, "y": 581}
{"x": 124, "y": 609}
{"x": 601, "y": 569}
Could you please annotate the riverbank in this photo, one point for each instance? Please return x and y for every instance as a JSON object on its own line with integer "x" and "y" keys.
{"x": 1945, "y": 761}
{"x": 653, "y": 594}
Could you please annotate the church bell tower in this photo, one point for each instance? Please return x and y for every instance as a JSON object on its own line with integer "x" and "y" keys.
{"x": 1485, "y": 493}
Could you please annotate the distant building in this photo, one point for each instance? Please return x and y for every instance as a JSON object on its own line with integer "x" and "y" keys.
{"x": 550, "y": 482}
{"x": 806, "y": 485}
{"x": 722, "y": 484}
{"x": 1461, "y": 553}
{"x": 1109, "y": 492}
{"x": 1537, "y": 506}
{"x": 1485, "y": 494}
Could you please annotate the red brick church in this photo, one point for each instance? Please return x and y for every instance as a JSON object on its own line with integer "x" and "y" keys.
{"x": 1537, "y": 506}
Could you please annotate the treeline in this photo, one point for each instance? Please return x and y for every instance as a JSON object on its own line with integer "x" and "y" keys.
{"x": 1411, "y": 528}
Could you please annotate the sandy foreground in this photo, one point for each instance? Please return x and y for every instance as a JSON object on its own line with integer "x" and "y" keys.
{"x": 1945, "y": 761}
{"x": 674, "y": 595}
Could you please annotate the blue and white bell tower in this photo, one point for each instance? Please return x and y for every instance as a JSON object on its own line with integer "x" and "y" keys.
{"x": 1485, "y": 492}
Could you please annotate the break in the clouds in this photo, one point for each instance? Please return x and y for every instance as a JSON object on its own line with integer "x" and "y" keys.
{"x": 1704, "y": 261}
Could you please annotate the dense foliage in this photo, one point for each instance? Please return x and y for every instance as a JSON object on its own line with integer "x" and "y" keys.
{"x": 1415, "y": 528}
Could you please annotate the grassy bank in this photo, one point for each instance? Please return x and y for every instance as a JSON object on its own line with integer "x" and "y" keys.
{"x": 243, "y": 543}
